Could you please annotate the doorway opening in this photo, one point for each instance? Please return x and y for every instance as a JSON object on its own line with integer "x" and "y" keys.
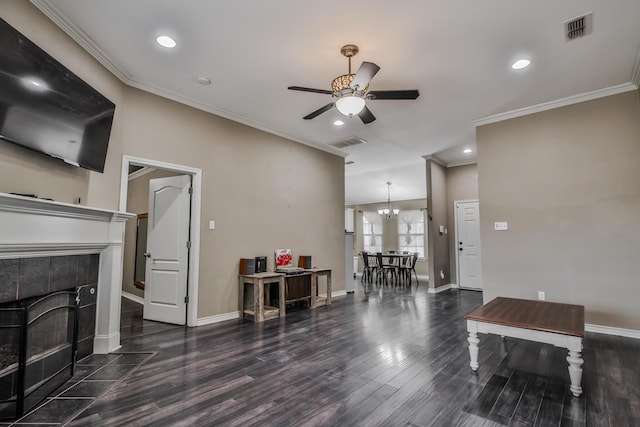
{"x": 146, "y": 165}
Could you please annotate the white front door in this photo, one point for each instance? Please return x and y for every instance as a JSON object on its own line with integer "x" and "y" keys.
{"x": 167, "y": 250}
{"x": 468, "y": 244}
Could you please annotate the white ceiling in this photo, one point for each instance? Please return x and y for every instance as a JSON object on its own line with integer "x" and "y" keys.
{"x": 456, "y": 53}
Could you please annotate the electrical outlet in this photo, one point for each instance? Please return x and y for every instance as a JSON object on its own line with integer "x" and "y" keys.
{"x": 541, "y": 295}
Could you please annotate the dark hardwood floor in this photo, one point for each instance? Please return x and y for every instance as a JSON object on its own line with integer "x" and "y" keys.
{"x": 132, "y": 325}
{"x": 387, "y": 357}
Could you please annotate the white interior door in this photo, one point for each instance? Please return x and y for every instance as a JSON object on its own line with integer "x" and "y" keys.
{"x": 468, "y": 244}
{"x": 167, "y": 250}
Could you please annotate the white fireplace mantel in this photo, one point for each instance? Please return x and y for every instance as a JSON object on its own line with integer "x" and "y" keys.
{"x": 31, "y": 227}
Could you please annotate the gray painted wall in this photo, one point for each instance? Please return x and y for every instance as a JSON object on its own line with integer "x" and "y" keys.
{"x": 437, "y": 208}
{"x": 568, "y": 183}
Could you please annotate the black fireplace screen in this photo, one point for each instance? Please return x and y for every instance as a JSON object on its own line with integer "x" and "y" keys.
{"x": 38, "y": 340}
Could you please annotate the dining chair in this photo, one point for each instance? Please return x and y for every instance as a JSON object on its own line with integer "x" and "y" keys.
{"x": 413, "y": 269}
{"x": 410, "y": 267}
{"x": 367, "y": 269}
{"x": 385, "y": 269}
{"x": 404, "y": 268}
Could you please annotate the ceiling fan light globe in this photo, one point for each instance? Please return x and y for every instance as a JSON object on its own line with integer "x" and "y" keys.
{"x": 350, "y": 105}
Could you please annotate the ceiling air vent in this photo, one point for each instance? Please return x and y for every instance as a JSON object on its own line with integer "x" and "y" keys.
{"x": 578, "y": 27}
{"x": 347, "y": 142}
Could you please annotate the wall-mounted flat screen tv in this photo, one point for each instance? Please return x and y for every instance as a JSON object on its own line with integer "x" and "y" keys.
{"x": 47, "y": 108}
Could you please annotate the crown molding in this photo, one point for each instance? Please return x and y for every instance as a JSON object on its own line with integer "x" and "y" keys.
{"x": 435, "y": 159}
{"x": 444, "y": 164}
{"x": 462, "y": 163}
{"x": 80, "y": 37}
{"x": 562, "y": 102}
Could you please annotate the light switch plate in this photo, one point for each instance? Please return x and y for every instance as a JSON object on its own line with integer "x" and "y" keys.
{"x": 212, "y": 225}
{"x": 500, "y": 226}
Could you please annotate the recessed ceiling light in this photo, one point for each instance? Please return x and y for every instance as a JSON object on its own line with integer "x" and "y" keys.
{"x": 338, "y": 123}
{"x": 520, "y": 64}
{"x": 204, "y": 81}
{"x": 166, "y": 41}
{"x": 467, "y": 150}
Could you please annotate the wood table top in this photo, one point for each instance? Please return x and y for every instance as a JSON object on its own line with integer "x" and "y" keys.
{"x": 317, "y": 269}
{"x": 567, "y": 319}
{"x": 263, "y": 275}
{"x": 389, "y": 255}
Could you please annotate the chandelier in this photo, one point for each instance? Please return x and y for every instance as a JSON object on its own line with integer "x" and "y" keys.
{"x": 388, "y": 212}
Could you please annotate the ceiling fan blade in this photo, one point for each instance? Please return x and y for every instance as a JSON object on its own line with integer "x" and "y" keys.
{"x": 319, "y": 111}
{"x": 366, "y": 115}
{"x": 365, "y": 73}
{"x": 309, "y": 89}
{"x": 393, "y": 94}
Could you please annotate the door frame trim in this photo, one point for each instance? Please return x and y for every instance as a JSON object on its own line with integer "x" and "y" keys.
{"x": 455, "y": 225}
{"x": 194, "y": 225}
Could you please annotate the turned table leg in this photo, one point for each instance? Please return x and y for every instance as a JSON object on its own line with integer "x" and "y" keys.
{"x": 575, "y": 371}
{"x": 473, "y": 350}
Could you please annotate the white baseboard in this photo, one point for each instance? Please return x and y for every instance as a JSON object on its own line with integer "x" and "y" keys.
{"x": 132, "y": 297}
{"x": 236, "y": 314}
{"x": 608, "y": 330}
{"x": 105, "y": 344}
{"x": 217, "y": 318}
{"x": 439, "y": 289}
{"x": 334, "y": 294}
{"x": 599, "y": 329}
{"x": 455, "y": 286}
{"x": 200, "y": 322}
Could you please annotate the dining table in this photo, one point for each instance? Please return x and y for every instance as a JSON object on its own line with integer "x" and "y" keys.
{"x": 395, "y": 259}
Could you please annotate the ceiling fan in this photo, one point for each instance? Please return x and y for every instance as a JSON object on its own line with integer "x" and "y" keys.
{"x": 353, "y": 89}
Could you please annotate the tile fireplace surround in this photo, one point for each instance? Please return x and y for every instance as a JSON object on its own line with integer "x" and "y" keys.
{"x": 35, "y": 228}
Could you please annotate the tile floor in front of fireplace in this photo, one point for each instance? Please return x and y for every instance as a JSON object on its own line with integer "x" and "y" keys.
{"x": 94, "y": 376}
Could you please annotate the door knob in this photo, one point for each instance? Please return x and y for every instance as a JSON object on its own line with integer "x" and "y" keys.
{"x": 147, "y": 254}
{"x": 460, "y": 248}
